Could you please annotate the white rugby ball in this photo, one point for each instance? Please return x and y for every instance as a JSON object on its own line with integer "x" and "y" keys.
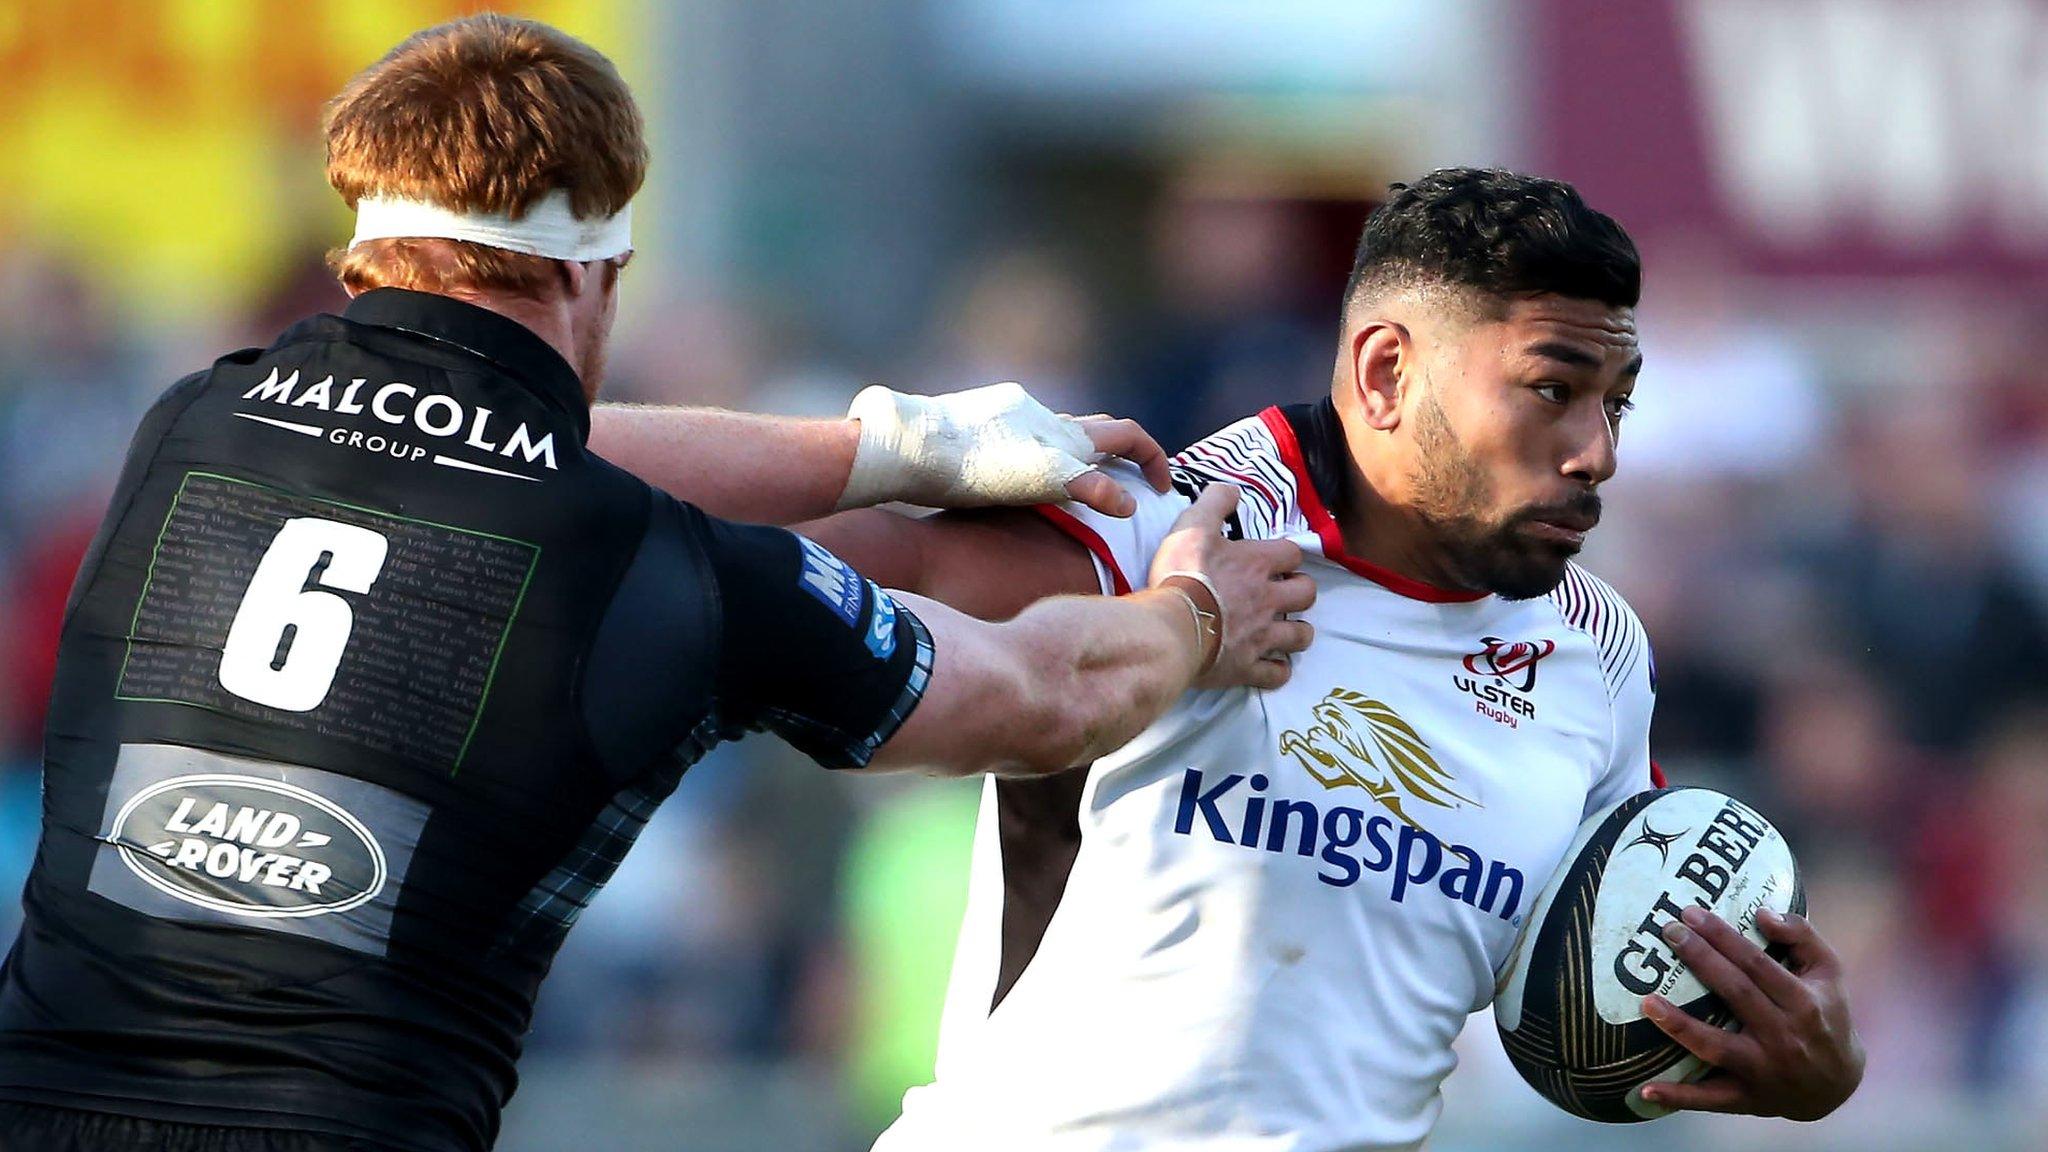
{"x": 1569, "y": 1002}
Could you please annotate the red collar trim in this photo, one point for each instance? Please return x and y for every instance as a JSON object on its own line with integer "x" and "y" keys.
{"x": 1088, "y": 538}
{"x": 1326, "y": 530}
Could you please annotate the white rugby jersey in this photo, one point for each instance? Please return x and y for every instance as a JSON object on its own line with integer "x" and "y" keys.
{"x": 1261, "y": 924}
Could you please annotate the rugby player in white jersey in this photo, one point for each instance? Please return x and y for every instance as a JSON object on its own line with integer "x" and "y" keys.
{"x": 1262, "y": 923}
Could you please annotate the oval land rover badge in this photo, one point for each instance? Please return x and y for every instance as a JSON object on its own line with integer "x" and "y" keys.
{"x": 248, "y": 846}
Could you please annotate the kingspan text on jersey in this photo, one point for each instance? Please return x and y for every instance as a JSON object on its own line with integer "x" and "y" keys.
{"x": 1349, "y": 841}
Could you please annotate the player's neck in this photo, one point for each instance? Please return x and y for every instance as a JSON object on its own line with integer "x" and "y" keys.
{"x": 1380, "y": 530}
{"x": 548, "y": 319}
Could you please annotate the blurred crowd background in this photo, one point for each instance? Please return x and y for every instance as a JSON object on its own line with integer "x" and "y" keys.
{"x": 1832, "y": 511}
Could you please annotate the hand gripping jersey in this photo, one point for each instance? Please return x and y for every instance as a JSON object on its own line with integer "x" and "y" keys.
{"x": 367, "y": 684}
{"x": 1261, "y": 924}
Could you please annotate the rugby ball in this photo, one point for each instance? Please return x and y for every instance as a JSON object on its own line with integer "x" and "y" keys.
{"x": 1569, "y": 1001}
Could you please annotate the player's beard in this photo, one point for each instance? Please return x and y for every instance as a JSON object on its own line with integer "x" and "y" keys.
{"x": 596, "y": 342}
{"x": 1454, "y": 497}
{"x": 591, "y": 370}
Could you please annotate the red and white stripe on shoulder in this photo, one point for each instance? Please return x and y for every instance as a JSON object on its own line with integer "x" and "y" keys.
{"x": 1089, "y": 538}
{"x": 1245, "y": 454}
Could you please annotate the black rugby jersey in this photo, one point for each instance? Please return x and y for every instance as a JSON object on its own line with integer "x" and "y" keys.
{"x": 370, "y": 678}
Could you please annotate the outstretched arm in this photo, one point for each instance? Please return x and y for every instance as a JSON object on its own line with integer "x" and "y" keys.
{"x": 734, "y": 465}
{"x": 861, "y": 677}
{"x": 985, "y": 446}
{"x": 857, "y": 676}
{"x": 990, "y": 563}
{"x": 1074, "y": 677}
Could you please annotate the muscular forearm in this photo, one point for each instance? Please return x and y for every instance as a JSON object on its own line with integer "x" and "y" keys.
{"x": 763, "y": 469}
{"x": 1074, "y": 677}
{"x": 1071, "y": 678}
{"x": 1105, "y": 669}
{"x": 990, "y": 563}
{"x": 984, "y": 447}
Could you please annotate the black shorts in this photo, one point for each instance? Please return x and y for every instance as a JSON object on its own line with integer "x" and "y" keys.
{"x": 40, "y": 1128}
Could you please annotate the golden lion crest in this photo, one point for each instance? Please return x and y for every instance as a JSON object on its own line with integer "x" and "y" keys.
{"x": 1390, "y": 761}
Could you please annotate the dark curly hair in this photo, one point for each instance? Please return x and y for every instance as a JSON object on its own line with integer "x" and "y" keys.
{"x": 1499, "y": 233}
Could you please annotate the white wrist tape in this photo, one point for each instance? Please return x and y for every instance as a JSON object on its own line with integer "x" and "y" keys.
{"x": 984, "y": 446}
{"x": 549, "y": 228}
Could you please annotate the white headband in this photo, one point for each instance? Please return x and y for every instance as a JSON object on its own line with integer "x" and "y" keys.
{"x": 548, "y": 229}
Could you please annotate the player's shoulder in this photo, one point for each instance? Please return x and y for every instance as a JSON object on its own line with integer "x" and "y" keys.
{"x": 1587, "y": 604}
{"x": 223, "y": 373}
{"x": 1249, "y": 454}
{"x": 173, "y": 401}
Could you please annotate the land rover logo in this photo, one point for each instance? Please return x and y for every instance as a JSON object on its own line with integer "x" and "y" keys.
{"x": 248, "y": 846}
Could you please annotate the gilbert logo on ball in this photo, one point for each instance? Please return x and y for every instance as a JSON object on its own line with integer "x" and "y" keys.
{"x": 1569, "y": 1002}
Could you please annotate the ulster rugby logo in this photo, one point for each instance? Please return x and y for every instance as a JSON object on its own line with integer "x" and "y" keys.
{"x": 1512, "y": 664}
{"x": 1502, "y": 676}
{"x": 248, "y": 846}
{"x": 1361, "y": 742}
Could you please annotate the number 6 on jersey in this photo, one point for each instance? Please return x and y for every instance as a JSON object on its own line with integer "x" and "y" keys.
{"x": 288, "y": 635}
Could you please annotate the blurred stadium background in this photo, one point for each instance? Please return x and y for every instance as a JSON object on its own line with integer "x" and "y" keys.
{"x": 1832, "y": 511}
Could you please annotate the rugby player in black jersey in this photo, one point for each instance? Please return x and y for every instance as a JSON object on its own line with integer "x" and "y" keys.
{"x": 375, "y": 669}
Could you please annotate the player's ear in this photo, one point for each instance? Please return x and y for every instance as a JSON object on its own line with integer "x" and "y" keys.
{"x": 1382, "y": 354}
{"x": 572, "y": 277}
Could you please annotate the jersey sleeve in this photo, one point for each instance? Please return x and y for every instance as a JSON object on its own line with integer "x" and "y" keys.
{"x": 1629, "y": 767}
{"x": 1122, "y": 547}
{"x": 808, "y": 648}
